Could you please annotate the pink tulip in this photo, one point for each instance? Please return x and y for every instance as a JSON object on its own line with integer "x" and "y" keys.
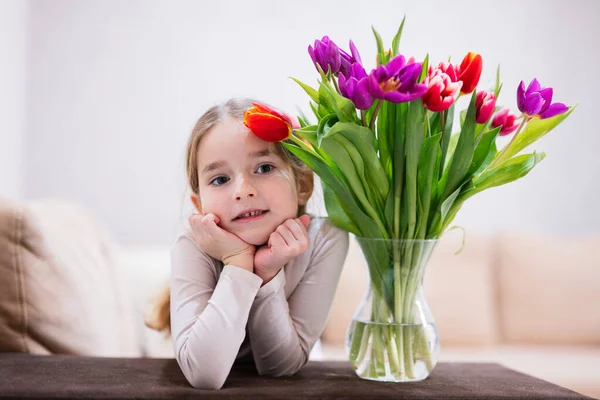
{"x": 506, "y": 120}
{"x": 442, "y": 87}
{"x": 484, "y": 103}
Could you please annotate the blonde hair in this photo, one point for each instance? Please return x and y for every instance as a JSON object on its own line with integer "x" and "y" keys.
{"x": 160, "y": 318}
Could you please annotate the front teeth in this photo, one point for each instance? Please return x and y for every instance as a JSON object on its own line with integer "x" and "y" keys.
{"x": 250, "y": 214}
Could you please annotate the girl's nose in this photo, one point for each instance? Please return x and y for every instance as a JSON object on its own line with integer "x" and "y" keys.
{"x": 244, "y": 190}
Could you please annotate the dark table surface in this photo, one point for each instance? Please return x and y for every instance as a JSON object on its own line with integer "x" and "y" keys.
{"x": 63, "y": 376}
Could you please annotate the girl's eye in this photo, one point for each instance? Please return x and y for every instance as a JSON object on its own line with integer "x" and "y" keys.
{"x": 269, "y": 168}
{"x": 219, "y": 178}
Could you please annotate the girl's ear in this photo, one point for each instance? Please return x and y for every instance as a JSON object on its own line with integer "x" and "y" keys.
{"x": 196, "y": 201}
{"x": 305, "y": 187}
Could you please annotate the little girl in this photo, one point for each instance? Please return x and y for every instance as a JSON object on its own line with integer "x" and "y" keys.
{"x": 253, "y": 278}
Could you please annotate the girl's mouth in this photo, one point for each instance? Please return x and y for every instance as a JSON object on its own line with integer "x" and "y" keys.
{"x": 251, "y": 216}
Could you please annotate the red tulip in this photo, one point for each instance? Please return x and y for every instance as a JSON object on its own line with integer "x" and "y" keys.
{"x": 268, "y": 124}
{"x": 470, "y": 72}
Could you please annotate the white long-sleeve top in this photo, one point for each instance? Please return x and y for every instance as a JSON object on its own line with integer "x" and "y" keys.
{"x": 220, "y": 313}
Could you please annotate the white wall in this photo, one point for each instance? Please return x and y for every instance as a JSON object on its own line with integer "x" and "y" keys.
{"x": 14, "y": 16}
{"x": 117, "y": 86}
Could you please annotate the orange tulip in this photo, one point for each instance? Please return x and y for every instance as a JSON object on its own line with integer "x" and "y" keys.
{"x": 470, "y": 72}
{"x": 268, "y": 124}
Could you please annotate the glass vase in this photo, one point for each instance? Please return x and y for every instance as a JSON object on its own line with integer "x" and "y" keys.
{"x": 393, "y": 336}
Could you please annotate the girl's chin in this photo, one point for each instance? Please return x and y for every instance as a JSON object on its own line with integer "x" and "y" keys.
{"x": 256, "y": 239}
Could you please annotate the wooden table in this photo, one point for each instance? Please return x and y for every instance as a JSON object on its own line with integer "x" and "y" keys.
{"x": 62, "y": 376}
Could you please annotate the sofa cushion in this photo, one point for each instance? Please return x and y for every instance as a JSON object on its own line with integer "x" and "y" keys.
{"x": 458, "y": 289}
{"x": 60, "y": 289}
{"x": 549, "y": 289}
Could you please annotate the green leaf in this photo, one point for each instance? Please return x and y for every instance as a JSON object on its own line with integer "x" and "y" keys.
{"x": 534, "y": 130}
{"x": 485, "y": 146}
{"x": 396, "y": 40}
{"x": 303, "y": 119}
{"x": 424, "y": 68}
{"x": 367, "y": 226}
{"x": 382, "y": 127}
{"x": 343, "y": 160}
{"x": 318, "y": 111}
{"x": 391, "y": 131}
{"x": 324, "y": 125}
{"x": 415, "y": 135}
{"x": 380, "y": 48}
{"x": 336, "y": 212}
{"x": 325, "y": 101}
{"x": 313, "y": 93}
{"x": 430, "y": 155}
{"x": 448, "y": 120}
{"x": 498, "y": 85}
{"x": 310, "y": 133}
{"x": 507, "y": 172}
{"x": 302, "y": 122}
{"x": 463, "y": 154}
{"x": 433, "y": 118}
{"x": 441, "y": 213}
{"x": 398, "y": 172}
{"x": 488, "y": 159}
{"x": 363, "y": 139}
{"x": 359, "y": 165}
{"x": 341, "y": 106}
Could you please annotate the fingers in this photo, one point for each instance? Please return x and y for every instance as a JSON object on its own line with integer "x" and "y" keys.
{"x": 305, "y": 219}
{"x": 296, "y": 228}
{"x": 194, "y": 217}
{"x": 294, "y": 234}
{"x": 276, "y": 240}
{"x": 208, "y": 222}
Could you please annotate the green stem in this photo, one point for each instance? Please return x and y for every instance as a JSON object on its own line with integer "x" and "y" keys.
{"x": 392, "y": 350}
{"x": 398, "y": 307}
{"x": 374, "y": 116}
{"x": 363, "y": 117}
{"x": 377, "y": 350}
{"x": 305, "y": 147}
{"x": 408, "y": 351}
{"x": 358, "y": 333}
{"x": 336, "y": 85}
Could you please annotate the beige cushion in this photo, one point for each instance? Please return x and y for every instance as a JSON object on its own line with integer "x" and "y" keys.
{"x": 549, "y": 289}
{"x": 60, "y": 289}
{"x": 457, "y": 288}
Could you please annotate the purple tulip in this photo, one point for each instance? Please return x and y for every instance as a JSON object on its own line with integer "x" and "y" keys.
{"x": 326, "y": 54}
{"x": 355, "y": 86}
{"x": 347, "y": 60}
{"x": 396, "y": 81}
{"x": 537, "y": 101}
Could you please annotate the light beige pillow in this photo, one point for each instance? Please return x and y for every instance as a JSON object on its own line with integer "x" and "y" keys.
{"x": 550, "y": 289}
{"x": 460, "y": 290}
{"x": 60, "y": 288}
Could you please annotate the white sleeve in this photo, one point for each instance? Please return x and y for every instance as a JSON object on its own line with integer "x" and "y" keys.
{"x": 282, "y": 333}
{"x": 208, "y": 317}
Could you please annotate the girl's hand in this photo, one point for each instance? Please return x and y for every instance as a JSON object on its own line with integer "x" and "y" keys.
{"x": 289, "y": 240}
{"x": 219, "y": 243}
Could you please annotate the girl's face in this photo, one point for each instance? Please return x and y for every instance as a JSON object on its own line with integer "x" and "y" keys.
{"x": 237, "y": 172}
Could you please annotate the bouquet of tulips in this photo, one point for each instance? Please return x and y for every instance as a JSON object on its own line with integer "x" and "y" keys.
{"x": 395, "y": 164}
